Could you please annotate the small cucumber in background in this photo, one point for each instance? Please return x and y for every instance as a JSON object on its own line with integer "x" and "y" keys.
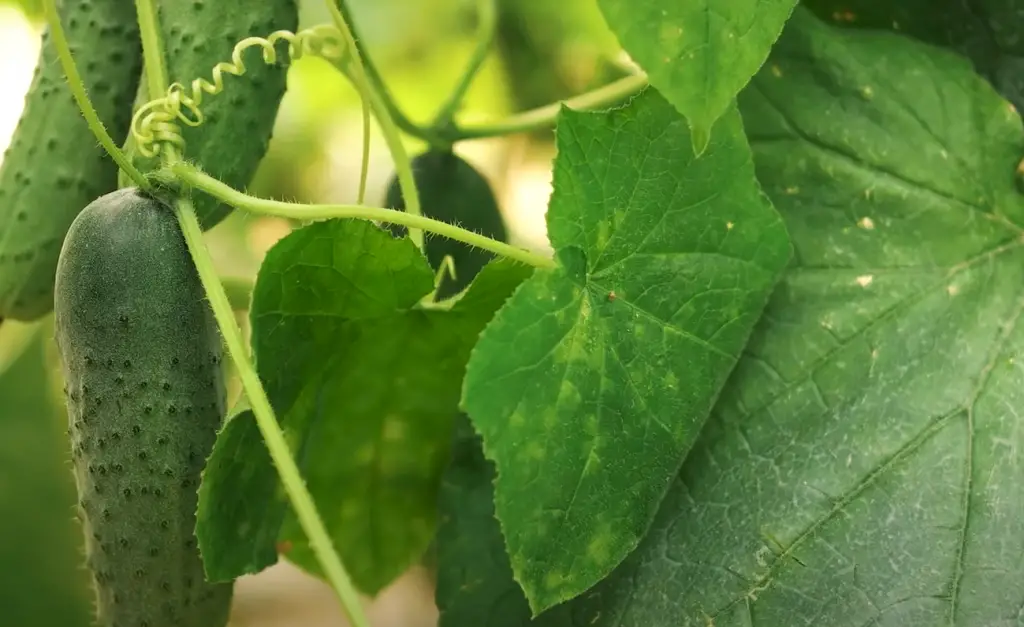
{"x": 141, "y": 354}
{"x": 453, "y": 191}
{"x": 238, "y": 122}
{"x": 54, "y": 165}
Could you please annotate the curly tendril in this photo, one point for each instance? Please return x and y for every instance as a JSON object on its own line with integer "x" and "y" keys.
{"x": 156, "y": 123}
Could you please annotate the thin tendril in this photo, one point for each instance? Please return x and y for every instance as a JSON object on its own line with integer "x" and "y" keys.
{"x": 157, "y": 124}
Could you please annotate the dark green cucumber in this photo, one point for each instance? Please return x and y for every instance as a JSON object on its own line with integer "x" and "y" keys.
{"x": 54, "y": 166}
{"x": 141, "y": 358}
{"x": 238, "y": 123}
{"x": 453, "y": 191}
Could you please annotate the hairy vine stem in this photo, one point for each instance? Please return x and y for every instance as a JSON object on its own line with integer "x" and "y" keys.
{"x": 161, "y": 115}
{"x": 82, "y": 98}
{"x": 369, "y": 93}
{"x": 192, "y": 176}
{"x": 274, "y": 439}
{"x": 544, "y": 117}
{"x": 152, "y": 47}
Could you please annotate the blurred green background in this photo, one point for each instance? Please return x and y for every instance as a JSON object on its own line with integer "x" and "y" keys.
{"x": 544, "y": 51}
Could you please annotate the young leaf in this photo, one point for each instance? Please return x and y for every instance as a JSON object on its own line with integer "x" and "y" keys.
{"x": 863, "y": 466}
{"x": 989, "y": 32}
{"x": 592, "y": 382}
{"x": 698, "y": 53}
{"x": 366, "y": 386}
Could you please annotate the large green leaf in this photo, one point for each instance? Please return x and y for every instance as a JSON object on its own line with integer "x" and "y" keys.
{"x": 43, "y": 580}
{"x": 366, "y": 385}
{"x": 863, "y": 466}
{"x": 698, "y": 53}
{"x": 591, "y": 384}
{"x": 989, "y": 32}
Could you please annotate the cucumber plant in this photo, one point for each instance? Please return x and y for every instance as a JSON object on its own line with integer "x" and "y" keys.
{"x": 767, "y": 376}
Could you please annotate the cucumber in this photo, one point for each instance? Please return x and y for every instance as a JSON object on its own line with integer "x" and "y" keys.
{"x": 453, "y": 191}
{"x": 141, "y": 354}
{"x": 238, "y": 122}
{"x": 54, "y": 166}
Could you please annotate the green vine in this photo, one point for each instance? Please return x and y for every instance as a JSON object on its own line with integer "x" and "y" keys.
{"x": 487, "y": 14}
{"x": 195, "y": 178}
{"x": 274, "y": 439}
{"x": 155, "y": 130}
{"x": 359, "y": 77}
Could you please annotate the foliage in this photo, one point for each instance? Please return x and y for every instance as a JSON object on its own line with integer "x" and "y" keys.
{"x": 768, "y": 375}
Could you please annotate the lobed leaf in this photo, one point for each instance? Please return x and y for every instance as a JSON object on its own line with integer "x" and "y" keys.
{"x": 698, "y": 53}
{"x": 592, "y": 382}
{"x": 366, "y": 386}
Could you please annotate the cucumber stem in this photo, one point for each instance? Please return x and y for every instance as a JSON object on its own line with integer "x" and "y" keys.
{"x": 396, "y": 114}
{"x": 487, "y": 14}
{"x": 82, "y": 98}
{"x": 152, "y": 49}
{"x": 543, "y": 117}
{"x": 369, "y": 94}
{"x": 192, "y": 176}
{"x": 301, "y": 500}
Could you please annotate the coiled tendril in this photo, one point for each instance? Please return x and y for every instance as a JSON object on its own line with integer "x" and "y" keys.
{"x": 155, "y": 124}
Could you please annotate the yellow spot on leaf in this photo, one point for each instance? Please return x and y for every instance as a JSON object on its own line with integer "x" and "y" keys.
{"x": 953, "y": 290}
{"x": 866, "y": 223}
{"x": 776, "y": 71}
{"x": 865, "y": 280}
{"x": 729, "y": 225}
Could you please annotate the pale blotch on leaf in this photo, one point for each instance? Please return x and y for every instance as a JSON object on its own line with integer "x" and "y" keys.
{"x": 866, "y": 223}
{"x": 394, "y": 428}
{"x": 599, "y": 549}
{"x": 535, "y": 451}
{"x": 865, "y": 280}
{"x": 776, "y": 71}
{"x": 364, "y": 454}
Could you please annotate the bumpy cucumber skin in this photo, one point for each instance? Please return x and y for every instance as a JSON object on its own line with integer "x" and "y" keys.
{"x": 453, "y": 191}
{"x": 238, "y": 123}
{"x": 141, "y": 358}
{"x": 54, "y": 166}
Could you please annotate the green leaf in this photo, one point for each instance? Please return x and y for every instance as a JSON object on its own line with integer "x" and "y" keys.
{"x": 989, "y": 32}
{"x": 43, "y": 578}
{"x": 592, "y": 382}
{"x": 366, "y": 385}
{"x": 474, "y": 578}
{"x": 863, "y": 466}
{"x": 698, "y": 53}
